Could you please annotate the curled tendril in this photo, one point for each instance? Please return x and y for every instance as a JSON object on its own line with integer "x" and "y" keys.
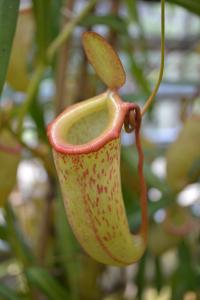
{"x": 132, "y": 122}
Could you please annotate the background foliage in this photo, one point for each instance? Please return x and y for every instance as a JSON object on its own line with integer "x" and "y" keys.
{"x": 43, "y": 70}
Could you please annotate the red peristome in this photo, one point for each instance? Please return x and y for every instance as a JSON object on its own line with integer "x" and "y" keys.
{"x": 96, "y": 144}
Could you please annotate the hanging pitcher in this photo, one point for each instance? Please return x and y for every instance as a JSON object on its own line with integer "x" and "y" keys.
{"x": 86, "y": 149}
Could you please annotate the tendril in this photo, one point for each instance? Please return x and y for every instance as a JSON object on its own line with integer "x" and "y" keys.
{"x": 133, "y": 122}
{"x": 162, "y": 61}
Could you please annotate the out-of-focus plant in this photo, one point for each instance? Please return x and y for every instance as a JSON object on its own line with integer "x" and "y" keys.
{"x": 193, "y": 5}
{"x": 8, "y": 19}
{"x": 21, "y": 50}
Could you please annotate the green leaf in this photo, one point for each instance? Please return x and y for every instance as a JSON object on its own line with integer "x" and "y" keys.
{"x": 6, "y": 293}
{"x": 9, "y": 162}
{"x": 3, "y": 234}
{"x": 140, "y": 279}
{"x": 42, "y": 10}
{"x": 185, "y": 278}
{"x": 130, "y": 159}
{"x": 54, "y": 26}
{"x": 132, "y": 10}
{"x": 191, "y": 5}
{"x": 194, "y": 171}
{"x": 135, "y": 17}
{"x": 104, "y": 60}
{"x": 42, "y": 280}
{"x": 137, "y": 72}
{"x": 16, "y": 239}
{"x": 8, "y": 20}
{"x": 67, "y": 247}
{"x": 37, "y": 113}
{"x": 158, "y": 279}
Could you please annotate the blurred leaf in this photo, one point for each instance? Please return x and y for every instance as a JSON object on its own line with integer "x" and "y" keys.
{"x": 55, "y": 14}
{"x": 16, "y": 239}
{"x": 21, "y": 58}
{"x": 10, "y": 154}
{"x": 136, "y": 97}
{"x": 132, "y": 9}
{"x": 112, "y": 21}
{"x": 37, "y": 113}
{"x": 158, "y": 279}
{"x": 129, "y": 157}
{"x": 138, "y": 73}
{"x": 187, "y": 144}
{"x": 135, "y": 67}
{"x": 3, "y": 234}
{"x": 6, "y": 293}
{"x": 8, "y": 20}
{"x": 41, "y": 279}
{"x": 185, "y": 278}
{"x": 191, "y": 5}
{"x": 194, "y": 171}
{"x": 140, "y": 276}
{"x": 89, "y": 278}
{"x": 134, "y": 14}
{"x": 67, "y": 247}
{"x": 160, "y": 241}
{"x": 42, "y": 10}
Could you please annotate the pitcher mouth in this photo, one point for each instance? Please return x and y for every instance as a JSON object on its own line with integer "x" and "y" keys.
{"x": 87, "y": 126}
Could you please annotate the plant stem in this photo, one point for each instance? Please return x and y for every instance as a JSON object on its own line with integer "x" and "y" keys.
{"x": 162, "y": 62}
